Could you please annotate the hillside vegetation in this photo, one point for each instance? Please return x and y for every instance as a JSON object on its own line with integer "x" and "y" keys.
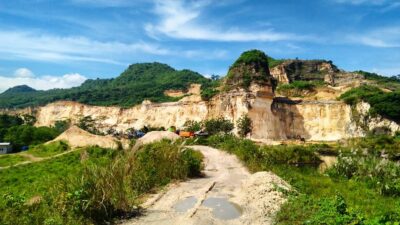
{"x": 386, "y": 104}
{"x": 138, "y": 82}
{"x": 251, "y": 67}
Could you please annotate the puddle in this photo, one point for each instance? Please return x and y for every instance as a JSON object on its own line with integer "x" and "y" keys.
{"x": 222, "y": 208}
{"x": 185, "y": 204}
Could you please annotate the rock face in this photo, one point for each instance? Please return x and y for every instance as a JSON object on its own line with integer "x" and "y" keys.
{"x": 292, "y": 70}
{"x": 273, "y": 118}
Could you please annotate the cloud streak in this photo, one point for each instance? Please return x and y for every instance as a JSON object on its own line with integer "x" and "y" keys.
{"x": 180, "y": 20}
{"x": 387, "y": 37}
{"x": 33, "y": 46}
{"x": 46, "y": 82}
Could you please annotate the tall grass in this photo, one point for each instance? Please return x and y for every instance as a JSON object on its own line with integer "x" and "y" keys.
{"x": 93, "y": 186}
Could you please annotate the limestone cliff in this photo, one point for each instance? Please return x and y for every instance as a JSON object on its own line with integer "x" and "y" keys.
{"x": 273, "y": 118}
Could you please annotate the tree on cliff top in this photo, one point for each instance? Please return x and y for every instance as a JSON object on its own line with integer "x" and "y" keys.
{"x": 251, "y": 66}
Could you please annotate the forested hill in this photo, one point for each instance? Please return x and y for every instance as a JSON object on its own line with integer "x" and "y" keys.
{"x": 138, "y": 82}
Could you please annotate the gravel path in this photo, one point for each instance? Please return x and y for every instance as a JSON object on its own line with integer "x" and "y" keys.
{"x": 228, "y": 194}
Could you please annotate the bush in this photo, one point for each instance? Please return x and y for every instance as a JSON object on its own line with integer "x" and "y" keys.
{"x": 384, "y": 175}
{"x": 297, "y": 88}
{"x": 245, "y": 125}
{"x": 220, "y": 125}
{"x": 193, "y": 126}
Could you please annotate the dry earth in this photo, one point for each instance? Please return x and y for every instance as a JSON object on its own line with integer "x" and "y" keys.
{"x": 76, "y": 137}
{"x": 228, "y": 194}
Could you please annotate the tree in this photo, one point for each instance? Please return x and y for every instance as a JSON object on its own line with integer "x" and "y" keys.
{"x": 245, "y": 125}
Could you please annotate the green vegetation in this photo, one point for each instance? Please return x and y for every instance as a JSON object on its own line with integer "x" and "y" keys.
{"x": 245, "y": 125}
{"x": 25, "y": 135}
{"x": 211, "y": 126}
{"x": 92, "y": 185}
{"x": 193, "y": 126}
{"x": 274, "y": 62}
{"x": 19, "y": 89}
{"x": 139, "y": 82}
{"x": 19, "y": 130}
{"x": 50, "y": 149}
{"x": 330, "y": 197}
{"x": 298, "y": 88}
{"x": 383, "y": 103}
{"x": 217, "y": 126}
{"x": 392, "y": 83}
{"x": 251, "y": 66}
{"x": 250, "y": 57}
{"x": 210, "y": 89}
{"x": 9, "y": 160}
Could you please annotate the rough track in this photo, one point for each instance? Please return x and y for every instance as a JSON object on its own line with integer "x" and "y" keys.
{"x": 225, "y": 178}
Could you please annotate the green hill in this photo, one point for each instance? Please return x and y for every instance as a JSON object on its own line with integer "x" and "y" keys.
{"x": 19, "y": 89}
{"x": 138, "y": 82}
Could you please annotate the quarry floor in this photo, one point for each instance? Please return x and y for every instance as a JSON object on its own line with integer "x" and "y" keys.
{"x": 227, "y": 194}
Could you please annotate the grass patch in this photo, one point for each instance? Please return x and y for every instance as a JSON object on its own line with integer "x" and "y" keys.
{"x": 298, "y": 88}
{"x": 51, "y": 149}
{"x": 92, "y": 185}
{"x": 11, "y": 159}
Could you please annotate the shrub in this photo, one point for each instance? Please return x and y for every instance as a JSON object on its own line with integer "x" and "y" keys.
{"x": 220, "y": 125}
{"x": 297, "y": 88}
{"x": 245, "y": 125}
{"x": 379, "y": 173}
{"x": 193, "y": 126}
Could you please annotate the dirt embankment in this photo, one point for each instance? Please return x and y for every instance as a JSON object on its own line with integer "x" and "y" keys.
{"x": 227, "y": 194}
{"x": 76, "y": 137}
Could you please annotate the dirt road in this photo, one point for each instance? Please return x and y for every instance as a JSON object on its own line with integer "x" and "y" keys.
{"x": 228, "y": 194}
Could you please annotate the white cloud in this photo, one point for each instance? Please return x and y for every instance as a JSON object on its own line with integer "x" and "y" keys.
{"x": 106, "y": 3}
{"x": 387, "y": 37}
{"x": 23, "y": 72}
{"x": 179, "y": 19}
{"x": 387, "y": 71}
{"x": 360, "y": 2}
{"x": 42, "y": 47}
{"x": 43, "y": 82}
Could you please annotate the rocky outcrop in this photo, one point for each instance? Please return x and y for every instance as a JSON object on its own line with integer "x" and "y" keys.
{"x": 292, "y": 70}
{"x": 313, "y": 70}
{"x": 273, "y": 118}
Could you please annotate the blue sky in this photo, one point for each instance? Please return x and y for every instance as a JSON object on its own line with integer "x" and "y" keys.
{"x": 53, "y": 43}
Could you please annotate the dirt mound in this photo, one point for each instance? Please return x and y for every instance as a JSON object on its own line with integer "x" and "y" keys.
{"x": 155, "y": 136}
{"x": 76, "y": 137}
{"x": 263, "y": 194}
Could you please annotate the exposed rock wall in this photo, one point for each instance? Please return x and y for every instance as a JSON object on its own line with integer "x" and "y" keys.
{"x": 273, "y": 119}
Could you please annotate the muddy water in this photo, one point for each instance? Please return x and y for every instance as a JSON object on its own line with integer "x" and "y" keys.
{"x": 185, "y": 204}
{"x": 222, "y": 208}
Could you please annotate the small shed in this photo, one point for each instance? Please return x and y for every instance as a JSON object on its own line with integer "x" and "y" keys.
{"x": 5, "y": 147}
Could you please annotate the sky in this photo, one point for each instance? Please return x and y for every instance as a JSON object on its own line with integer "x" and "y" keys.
{"x": 59, "y": 44}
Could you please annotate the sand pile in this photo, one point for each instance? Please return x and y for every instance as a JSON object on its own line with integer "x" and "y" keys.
{"x": 76, "y": 137}
{"x": 263, "y": 194}
{"x": 155, "y": 136}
